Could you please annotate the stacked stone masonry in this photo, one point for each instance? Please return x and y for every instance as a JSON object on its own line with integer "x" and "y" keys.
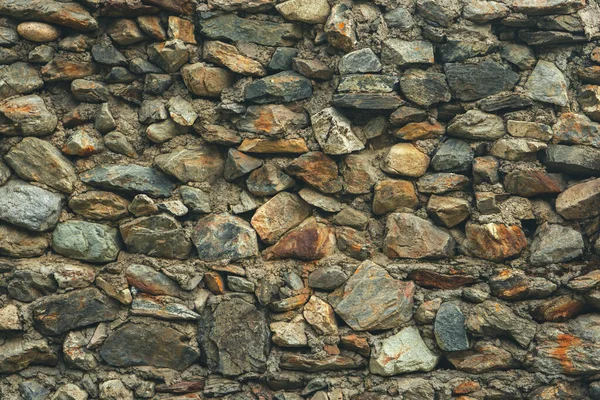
{"x": 299, "y": 199}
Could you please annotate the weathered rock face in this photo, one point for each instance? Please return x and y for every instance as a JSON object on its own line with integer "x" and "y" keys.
{"x": 234, "y": 336}
{"x": 287, "y": 199}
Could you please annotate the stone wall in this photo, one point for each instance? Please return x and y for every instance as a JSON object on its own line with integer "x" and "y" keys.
{"x": 299, "y": 199}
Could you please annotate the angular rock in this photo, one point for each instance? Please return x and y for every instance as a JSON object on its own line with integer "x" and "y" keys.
{"x": 406, "y": 160}
{"x": 19, "y": 78}
{"x": 528, "y": 183}
{"x": 579, "y": 201}
{"x": 327, "y": 278}
{"x": 558, "y": 309}
{"x": 59, "y": 313}
{"x": 99, "y": 205}
{"x": 476, "y": 125}
{"x": 281, "y": 213}
{"x": 318, "y": 170}
{"x": 391, "y": 195}
{"x": 221, "y": 236}
{"x": 71, "y": 15}
{"x": 431, "y": 279}
{"x": 576, "y": 129}
{"x": 27, "y": 286}
{"x": 108, "y": 55}
{"x": 88, "y": 91}
{"x": 313, "y": 69}
{"x": 125, "y": 32}
{"x": 228, "y": 56}
{"x": 367, "y": 101}
{"x": 320, "y": 316}
{"x": 359, "y": 61}
{"x": 117, "y": 142}
{"x": 516, "y": 149}
{"x": 129, "y": 178}
{"x": 241, "y": 5}
{"x": 161, "y": 308}
{"x": 86, "y": 241}
{"x": 148, "y": 280}
{"x": 62, "y": 69}
{"x": 268, "y": 180}
{"x": 320, "y": 200}
{"x": 531, "y": 130}
{"x": 448, "y": 211}
{"x": 234, "y": 336}
{"x": 128, "y": 346}
{"x": 453, "y": 156}
{"x": 309, "y": 241}
{"x": 368, "y": 83}
{"x": 272, "y": 120}
{"x": 17, "y": 354}
{"x": 236, "y": 29}
{"x": 29, "y": 206}
{"x": 425, "y": 88}
{"x": 156, "y": 236}
{"x": 403, "y": 52}
{"x": 547, "y": 6}
{"x": 15, "y": 242}
{"x": 418, "y": 130}
{"x": 547, "y": 84}
{"x": 206, "y": 81}
{"x": 495, "y": 319}
{"x": 484, "y": 11}
{"x": 284, "y": 146}
{"x": 282, "y": 59}
{"x": 300, "y": 10}
{"x": 555, "y": 244}
{"x": 340, "y": 28}
{"x": 285, "y": 87}
{"x": 83, "y": 144}
{"x": 484, "y": 357}
{"x": 402, "y": 353}
{"x": 399, "y": 18}
{"x": 449, "y": 328}
{"x": 495, "y": 242}
{"x": 408, "y": 236}
{"x": 203, "y": 165}
{"x": 512, "y": 284}
{"x": 442, "y": 182}
{"x": 334, "y": 133}
{"x": 372, "y": 300}
{"x": 289, "y": 334}
{"x": 589, "y": 100}
{"x": 239, "y": 164}
{"x": 475, "y": 81}
{"x": 181, "y": 111}
{"x": 28, "y": 116}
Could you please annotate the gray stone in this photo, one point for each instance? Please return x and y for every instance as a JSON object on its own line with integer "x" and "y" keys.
{"x": 372, "y": 300}
{"x": 161, "y": 308}
{"x": 137, "y": 344}
{"x": 319, "y": 200}
{"x": 17, "y": 354}
{"x": 484, "y": 11}
{"x": 29, "y": 206}
{"x": 89, "y": 91}
{"x": 476, "y": 125}
{"x": 496, "y": 319}
{"x": 239, "y": 164}
{"x": 439, "y": 12}
{"x": 86, "y": 241}
{"x": 520, "y": 55}
{"x": 282, "y": 59}
{"x": 283, "y": 87}
{"x": 30, "y": 115}
{"x": 453, "y": 156}
{"x": 576, "y": 160}
{"x": 516, "y": 149}
{"x": 129, "y": 178}
{"x": 234, "y": 336}
{"x": 202, "y": 165}
{"x": 157, "y": 83}
{"x": 156, "y": 236}
{"x": 236, "y": 29}
{"x": 19, "y": 78}
{"x": 367, "y": 101}
{"x": 340, "y": 28}
{"x": 181, "y": 111}
{"x": 448, "y": 211}
{"x": 555, "y": 244}
{"x": 160, "y": 132}
{"x": 170, "y": 56}
{"x": 580, "y": 201}
{"x": 402, "y": 353}
{"x": 27, "y": 286}
{"x": 107, "y": 54}
{"x": 475, "y": 81}
{"x": 221, "y": 236}
{"x": 334, "y": 133}
{"x": 460, "y": 50}
{"x": 59, "y": 313}
{"x": 104, "y": 121}
{"x": 399, "y": 18}
{"x": 327, "y": 278}
{"x": 548, "y": 84}
{"x": 408, "y": 236}
{"x": 403, "y": 52}
{"x": 268, "y": 180}
{"x": 151, "y": 111}
{"x": 195, "y": 199}
{"x": 449, "y": 328}
{"x": 114, "y": 389}
{"x": 367, "y": 83}
{"x": 425, "y": 88}
{"x": 53, "y": 12}
{"x": 32, "y": 390}
{"x": 359, "y": 62}
{"x": 117, "y": 142}
{"x": 239, "y": 284}
{"x": 351, "y": 217}
{"x": 69, "y": 391}
{"x": 543, "y": 7}
{"x": 8, "y": 37}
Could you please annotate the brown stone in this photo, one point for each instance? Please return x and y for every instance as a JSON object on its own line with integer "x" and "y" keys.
{"x": 585, "y": 282}
{"x": 17, "y": 354}
{"x": 437, "y": 280}
{"x": 176, "y": 6}
{"x": 181, "y": 29}
{"x": 467, "y": 387}
{"x": 580, "y": 201}
{"x": 442, "y": 182}
{"x": 228, "y": 56}
{"x": 309, "y": 241}
{"x": 420, "y": 131}
{"x": 99, "y": 205}
{"x": 125, "y": 32}
{"x": 38, "y": 32}
{"x": 272, "y": 120}
{"x": 318, "y": 170}
{"x": 406, "y": 160}
{"x": 356, "y": 343}
{"x": 392, "y": 195}
{"x": 558, "y": 309}
{"x": 17, "y": 242}
{"x": 313, "y": 69}
{"x": 214, "y": 282}
{"x": 268, "y": 146}
{"x": 206, "y": 81}
{"x": 61, "y": 69}
{"x": 448, "y": 211}
{"x": 281, "y": 213}
{"x": 309, "y": 363}
{"x": 319, "y": 314}
{"x": 150, "y": 24}
{"x": 268, "y": 180}
{"x": 484, "y": 357}
{"x": 353, "y": 243}
{"x": 495, "y": 242}
{"x": 408, "y": 236}
{"x": 71, "y": 15}
{"x": 204, "y": 164}
{"x": 529, "y": 183}
{"x": 360, "y": 172}
{"x": 510, "y": 284}
{"x": 148, "y": 280}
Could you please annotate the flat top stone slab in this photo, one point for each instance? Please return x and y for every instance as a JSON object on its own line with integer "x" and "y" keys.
{"x": 129, "y": 178}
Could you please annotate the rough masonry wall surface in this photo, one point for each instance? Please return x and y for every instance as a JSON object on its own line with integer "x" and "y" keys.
{"x": 299, "y": 199}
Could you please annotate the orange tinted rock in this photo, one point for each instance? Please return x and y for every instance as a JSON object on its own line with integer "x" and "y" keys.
{"x": 353, "y": 243}
{"x": 61, "y": 69}
{"x": 214, "y": 282}
{"x": 356, "y": 343}
{"x": 495, "y": 242}
{"x": 290, "y": 303}
{"x": 408, "y": 236}
{"x": 281, "y": 213}
{"x": 467, "y": 387}
{"x": 181, "y": 29}
{"x": 320, "y": 316}
{"x": 511, "y": 284}
{"x": 309, "y": 363}
{"x": 558, "y": 309}
{"x": 484, "y": 357}
{"x": 532, "y": 183}
{"x": 310, "y": 241}
{"x": 420, "y": 131}
{"x": 392, "y": 195}
{"x": 228, "y": 56}
{"x": 283, "y": 146}
{"x": 318, "y": 170}
{"x": 206, "y": 81}
{"x": 436, "y": 280}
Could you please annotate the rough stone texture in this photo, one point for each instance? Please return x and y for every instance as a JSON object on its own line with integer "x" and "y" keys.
{"x": 29, "y": 206}
{"x": 219, "y": 237}
{"x": 86, "y": 241}
{"x": 408, "y": 236}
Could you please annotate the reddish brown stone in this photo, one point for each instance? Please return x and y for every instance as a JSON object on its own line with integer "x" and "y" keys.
{"x": 132, "y": 8}
{"x": 467, "y": 387}
{"x": 290, "y": 303}
{"x": 420, "y": 131}
{"x": 484, "y": 357}
{"x": 310, "y": 241}
{"x": 309, "y": 363}
{"x": 559, "y": 309}
{"x": 181, "y": 387}
{"x": 66, "y": 70}
{"x": 214, "y": 282}
{"x": 532, "y": 183}
{"x": 356, "y": 343}
{"x": 176, "y": 6}
{"x": 431, "y": 279}
{"x": 353, "y": 243}
{"x": 318, "y": 170}
{"x": 495, "y": 242}
{"x": 283, "y": 146}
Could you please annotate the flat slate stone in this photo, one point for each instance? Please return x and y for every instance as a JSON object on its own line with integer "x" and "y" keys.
{"x": 470, "y": 82}
{"x": 86, "y": 241}
{"x": 71, "y": 15}
{"x": 575, "y": 160}
{"x": 234, "y": 336}
{"x": 29, "y": 206}
{"x": 156, "y": 236}
{"x": 136, "y": 344}
{"x": 56, "y": 314}
{"x": 236, "y": 29}
{"x": 17, "y": 354}
{"x": 372, "y": 300}
{"x": 129, "y": 178}
{"x": 285, "y": 87}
